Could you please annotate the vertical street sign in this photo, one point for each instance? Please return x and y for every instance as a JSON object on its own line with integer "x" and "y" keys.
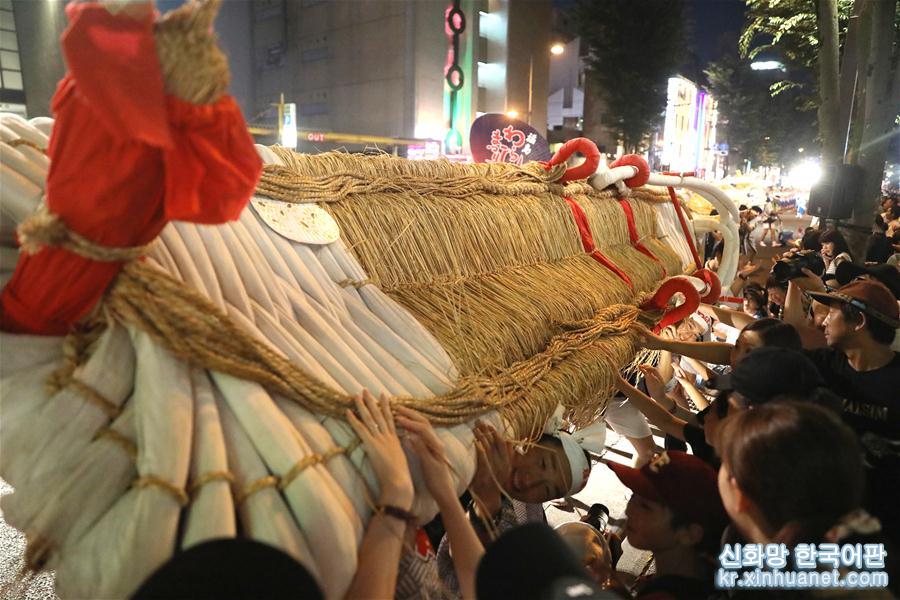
{"x": 289, "y": 126}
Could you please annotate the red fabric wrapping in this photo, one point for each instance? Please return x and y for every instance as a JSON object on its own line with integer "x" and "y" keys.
{"x": 660, "y": 300}
{"x": 125, "y": 159}
{"x": 712, "y": 281}
{"x": 585, "y": 169}
{"x": 587, "y": 242}
{"x": 635, "y": 240}
{"x": 643, "y": 169}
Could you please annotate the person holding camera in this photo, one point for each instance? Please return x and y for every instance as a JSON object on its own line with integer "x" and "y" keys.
{"x": 859, "y": 365}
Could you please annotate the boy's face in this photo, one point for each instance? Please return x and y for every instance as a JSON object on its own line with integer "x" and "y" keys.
{"x": 540, "y": 474}
{"x": 649, "y": 525}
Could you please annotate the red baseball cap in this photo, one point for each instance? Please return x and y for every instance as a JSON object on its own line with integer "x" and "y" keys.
{"x": 681, "y": 482}
{"x": 871, "y": 297}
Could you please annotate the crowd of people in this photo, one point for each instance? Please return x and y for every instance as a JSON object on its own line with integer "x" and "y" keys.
{"x": 781, "y": 424}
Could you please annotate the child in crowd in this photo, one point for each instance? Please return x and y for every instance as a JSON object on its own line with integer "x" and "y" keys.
{"x": 755, "y": 301}
{"x": 676, "y": 513}
{"x": 835, "y": 250}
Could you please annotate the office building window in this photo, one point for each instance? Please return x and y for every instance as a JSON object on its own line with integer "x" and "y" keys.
{"x": 310, "y": 109}
{"x": 10, "y": 65}
{"x": 314, "y": 54}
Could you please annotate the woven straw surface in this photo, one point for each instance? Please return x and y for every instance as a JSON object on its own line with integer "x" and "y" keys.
{"x": 488, "y": 258}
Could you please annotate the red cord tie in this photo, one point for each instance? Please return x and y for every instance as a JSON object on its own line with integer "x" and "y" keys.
{"x": 635, "y": 240}
{"x": 587, "y": 242}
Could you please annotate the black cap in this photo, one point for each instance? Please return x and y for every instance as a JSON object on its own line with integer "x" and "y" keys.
{"x": 769, "y": 372}
{"x": 847, "y": 271}
{"x": 526, "y": 563}
{"x": 230, "y": 568}
{"x": 575, "y": 588}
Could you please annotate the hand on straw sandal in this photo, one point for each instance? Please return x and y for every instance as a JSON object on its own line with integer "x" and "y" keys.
{"x": 648, "y": 340}
{"x": 655, "y": 384}
{"x": 494, "y": 466}
{"x": 375, "y": 427}
{"x": 428, "y": 447}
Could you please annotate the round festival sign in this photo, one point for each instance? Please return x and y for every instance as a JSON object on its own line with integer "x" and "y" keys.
{"x": 495, "y": 137}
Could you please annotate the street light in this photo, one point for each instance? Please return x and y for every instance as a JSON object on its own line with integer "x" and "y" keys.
{"x": 512, "y": 114}
{"x": 767, "y": 65}
{"x": 556, "y": 49}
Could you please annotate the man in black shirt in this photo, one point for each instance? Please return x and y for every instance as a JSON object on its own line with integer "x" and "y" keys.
{"x": 861, "y": 368}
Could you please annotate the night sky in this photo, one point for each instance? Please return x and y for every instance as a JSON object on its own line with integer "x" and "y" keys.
{"x": 713, "y": 21}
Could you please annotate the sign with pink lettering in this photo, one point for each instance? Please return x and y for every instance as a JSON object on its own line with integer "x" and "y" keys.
{"x": 496, "y": 137}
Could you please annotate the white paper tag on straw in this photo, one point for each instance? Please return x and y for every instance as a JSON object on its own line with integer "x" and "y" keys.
{"x": 304, "y": 223}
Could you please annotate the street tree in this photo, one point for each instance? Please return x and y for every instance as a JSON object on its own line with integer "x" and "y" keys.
{"x": 854, "y": 48}
{"x": 766, "y": 130}
{"x": 632, "y": 50}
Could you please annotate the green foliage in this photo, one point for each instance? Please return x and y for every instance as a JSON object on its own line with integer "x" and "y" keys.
{"x": 789, "y": 26}
{"x": 633, "y": 48}
{"x": 762, "y": 120}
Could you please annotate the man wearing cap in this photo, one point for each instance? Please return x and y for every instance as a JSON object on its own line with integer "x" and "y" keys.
{"x": 860, "y": 366}
{"x": 887, "y": 274}
{"x": 676, "y": 513}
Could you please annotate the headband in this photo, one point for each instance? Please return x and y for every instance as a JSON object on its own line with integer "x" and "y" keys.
{"x": 591, "y": 438}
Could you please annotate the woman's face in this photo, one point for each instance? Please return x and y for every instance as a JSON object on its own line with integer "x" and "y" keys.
{"x": 727, "y": 491}
{"x": 776, "y": 295}
{"x": 735, "y": 504}
{"x": 747, "y": 341}
{"x": 712, "y": 421}
{"x": 750, "y": 307}
{"x": 828, "y": 251}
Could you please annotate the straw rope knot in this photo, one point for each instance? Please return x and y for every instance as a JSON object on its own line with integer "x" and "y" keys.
{"x": 210, "y": 477}
{"x": 126, "y": 444}
{"x": 92, "y": 396}
{"x": 256, "y": 486}
{"x": 307, "y": 462}
{"x": 193, "y": 67}
{"x": 44, "y": 228}
{"x": 177, "y": 493}
{"x": 23, "y": 142}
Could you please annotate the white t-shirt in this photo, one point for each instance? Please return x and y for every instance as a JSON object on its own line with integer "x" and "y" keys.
{"x": 832, "y": 268}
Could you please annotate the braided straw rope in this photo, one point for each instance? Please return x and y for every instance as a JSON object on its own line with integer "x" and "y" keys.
{"x": 177, "y": 493}
{"x": 255, "y": 486}
{"x": 196, "y": 331}
{"x": 23, "y": 142}
{"x": 107, "y": 433}
{"x": 334, "y": 176}
{"x": 44, "y": 228}
{"x": 209, "y": 478}
{"x": 193, "y": 67}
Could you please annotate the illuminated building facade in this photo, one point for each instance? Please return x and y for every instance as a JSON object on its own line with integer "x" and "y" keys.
{"x": 407, "y": 69}
{"x": 361, "y": 74}
{"x": 689, "y": 135}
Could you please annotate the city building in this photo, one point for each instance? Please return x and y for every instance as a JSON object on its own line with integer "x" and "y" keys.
{"x": 383, "y": 73}
{"x": 688, "y": 142}
{"x": 378, "y": 73}
{"x": 565, "y": 102}
{"x": 574, "y": 106}
{"x": 31, "y": 61}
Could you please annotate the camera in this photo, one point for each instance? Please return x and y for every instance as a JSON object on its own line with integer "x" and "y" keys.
{"x": 597, "y": 517}
{"x": 792, "y": 266}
